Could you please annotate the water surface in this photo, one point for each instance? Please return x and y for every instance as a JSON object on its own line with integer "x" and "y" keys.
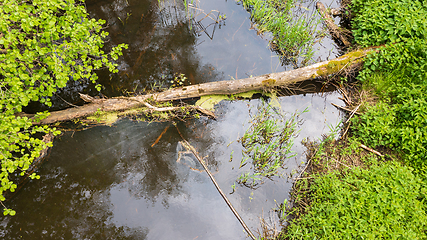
{"x": 118, "y": 182}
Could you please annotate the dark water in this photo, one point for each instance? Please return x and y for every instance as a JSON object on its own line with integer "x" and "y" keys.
{"x": 118, "y": 183}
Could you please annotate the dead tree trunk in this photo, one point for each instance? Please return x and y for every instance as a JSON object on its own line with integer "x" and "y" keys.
{"x": 332, "y": 27}
{"x": 266, "y": 81}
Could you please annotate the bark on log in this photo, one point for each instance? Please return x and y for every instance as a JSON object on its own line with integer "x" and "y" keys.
{"x": 266, "y": 81}
{"x": 332, "y": 27}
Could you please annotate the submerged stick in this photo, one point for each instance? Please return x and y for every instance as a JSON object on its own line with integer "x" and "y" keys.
{"x": 344, "y": 108}
{"x": 159, "y": 137}
{"x": 193, "y": 150}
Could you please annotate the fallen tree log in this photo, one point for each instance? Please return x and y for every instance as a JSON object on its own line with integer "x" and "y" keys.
{"x": 266, "y": 81}
{"x": 332, "y": 27}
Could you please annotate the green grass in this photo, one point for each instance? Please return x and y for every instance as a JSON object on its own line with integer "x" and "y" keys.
{"x": 293, "y": 28}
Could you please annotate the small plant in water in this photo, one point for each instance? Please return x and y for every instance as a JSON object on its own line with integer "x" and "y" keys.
{"x": 267, "y": 144}
{"x": 292, "y": 26}
{"x": 179, "y": 80}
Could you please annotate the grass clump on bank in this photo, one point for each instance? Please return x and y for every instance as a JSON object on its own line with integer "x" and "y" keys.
{"x": 293, "y": 29}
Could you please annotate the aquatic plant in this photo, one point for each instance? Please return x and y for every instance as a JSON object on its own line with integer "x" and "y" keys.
{"x": 292, "y": 27}
{"x": 267, "y": 144}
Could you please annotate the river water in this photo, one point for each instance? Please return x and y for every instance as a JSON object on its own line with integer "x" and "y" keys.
{"x": 119, "y": 182}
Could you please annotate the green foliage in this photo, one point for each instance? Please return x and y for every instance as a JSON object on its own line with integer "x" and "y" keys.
{"x": 400, "y": 25}
{"x": 293, "y": 29}
{"x": 387, "y": 21}
{"x": 385, "y": 202}
{"x": 398, "y": 121}
{"x": 179, "y": 80}
{"x": 43, "y": 44}
{"x": 408, "y": 59}
{"x": 267, "y": 143}
{"x": 397, "y": 73}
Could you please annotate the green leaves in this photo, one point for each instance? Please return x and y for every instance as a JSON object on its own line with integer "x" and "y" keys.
{"x": 10, "y": 212}
{"x": 386, "y": 21}
{"x": 384, "y": 202}
{"x": 397, "y": 73}
{"x": 400, "y": 123}
{"x": 43, "y": 44}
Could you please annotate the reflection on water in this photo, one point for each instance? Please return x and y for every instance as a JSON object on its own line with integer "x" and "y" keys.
{"x": 110, "y": 183}
{"x": 119, "y": 182}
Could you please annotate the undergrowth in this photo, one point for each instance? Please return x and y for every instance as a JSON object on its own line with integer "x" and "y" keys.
{"x": 397, "y": 73}
{"x": 386, "y": 201}
{"x": 350, "y": 193}
{"x": 382, "y": 198}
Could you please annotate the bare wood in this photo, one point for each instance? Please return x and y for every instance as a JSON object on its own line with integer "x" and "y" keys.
{"x": 352, "y": 113}
{"x": 335, "y": 12}
{"x": 221, "y": 87}
{"x": 371, "y": 150}
{"x": 345, "y": 109}
{"x": 332, "y": 27}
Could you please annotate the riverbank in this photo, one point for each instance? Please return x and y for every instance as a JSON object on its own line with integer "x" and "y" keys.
{"x": 346, "y": 191}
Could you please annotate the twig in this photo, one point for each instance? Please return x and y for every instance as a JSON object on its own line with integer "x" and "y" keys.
{"x": 303, "y": 178}
{"x": 371, "y": 150}
{"x": 306, "y": 165}
{"x": 344, "y": 108}
{"x": 65, "y": 100}
{"x": 163, "y": 109}
{"x": 161, "y": 134}
{"x": 352, "y": 113}
{"x": 345, "y": 132}
{"x": 193, "y": 150}
{"x": 340, "y": 162}
{"x": 205, "y": 111}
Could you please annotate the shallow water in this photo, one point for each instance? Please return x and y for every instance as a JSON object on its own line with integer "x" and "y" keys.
{"x": 118, "y": 183}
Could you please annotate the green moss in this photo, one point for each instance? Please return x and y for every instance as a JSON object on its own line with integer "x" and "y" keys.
{"x": 334, "y": 66}
{"x": 209, "y": 101}
{"x": 107, "y": 118}
{"x": 269, "y": 82}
